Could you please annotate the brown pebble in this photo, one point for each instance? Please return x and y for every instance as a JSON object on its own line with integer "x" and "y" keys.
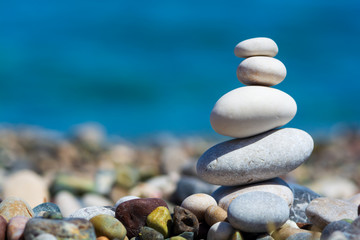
{"x": 214, "y": 214}
{"x": 3, "y": 224}
{"x": 284, "y": 233}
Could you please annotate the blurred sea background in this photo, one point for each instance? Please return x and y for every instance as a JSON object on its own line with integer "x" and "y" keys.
{"x": 144, "y": 67}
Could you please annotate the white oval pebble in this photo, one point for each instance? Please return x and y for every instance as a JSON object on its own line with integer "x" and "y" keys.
{"x": 260, "y": 46}
{"x": 198, "y": 203}
{"x": 265, "y": 71}
{"x": 225, "y": 195}
{"x": 264, "y": 156}
{"x": 220, "y": 231}
{"x": 250, "y": 110}
{"x": 256, "y": 211}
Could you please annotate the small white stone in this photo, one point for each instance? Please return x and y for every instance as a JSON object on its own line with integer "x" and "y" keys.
{"x": 262, "y": 157}
{"x": 67, "y": 203}
{"x": 225, "y": 195}
{"x": 265, "y": 71}
{"x": 260, "y": 46}
{"x": 250, "y": 110}
{"x": 220, "y": 231}
{"x": 198, "y": 203}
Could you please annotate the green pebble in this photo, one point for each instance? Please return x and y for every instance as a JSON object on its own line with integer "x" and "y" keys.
{"x": 148, "y": 233}
{"x": 108, "y": 226}
{"x": 127, "y": 176}
{"x": 177, "y": 238}
{"x": 160, "y": 220}
{"x": 236, "y": 236}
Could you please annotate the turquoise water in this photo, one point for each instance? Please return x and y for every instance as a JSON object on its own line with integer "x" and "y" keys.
{"x": 141, "y": 67}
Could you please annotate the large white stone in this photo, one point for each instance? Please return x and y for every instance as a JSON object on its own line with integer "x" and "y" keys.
{"x": 226, "y": 194}
{"x": 260, "y": 46}
{"x": 265, "y": 71}
{"x": 250, "y": 110}
{"x": 262, "y": 157}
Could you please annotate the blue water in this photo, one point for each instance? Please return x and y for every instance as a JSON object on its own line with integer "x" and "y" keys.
{"x": 141, "y": 67}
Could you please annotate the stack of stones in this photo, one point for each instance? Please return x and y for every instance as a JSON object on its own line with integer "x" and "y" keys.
{"x": 249, "y": 167}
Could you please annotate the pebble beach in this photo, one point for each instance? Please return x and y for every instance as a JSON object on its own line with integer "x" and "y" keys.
{"x": 265, "y": 181}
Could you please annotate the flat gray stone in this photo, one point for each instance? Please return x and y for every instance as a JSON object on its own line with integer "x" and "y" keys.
{"x": 322, "y": 211}
{"x": 254, "y": 211}
{"x": 226, "y": 194}
{"x": 254, "y": 159}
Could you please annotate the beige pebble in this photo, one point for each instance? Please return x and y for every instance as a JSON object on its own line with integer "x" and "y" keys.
{"x": 214, "y": 214}
{"x": 259, "y": 46}
{"x": 265, "y": 71}
{"x": 14, "y": 206}
{"x": 250, "y": 110}
{"x": 27, "y": 185}
{"x": 67, "y": 203}
{"x": 285, "y": 232}
{"x": 16, "y": 227}
{"x": 198, "y": 203}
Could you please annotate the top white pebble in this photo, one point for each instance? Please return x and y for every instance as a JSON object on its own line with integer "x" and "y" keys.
{"x": 260, "y": 46}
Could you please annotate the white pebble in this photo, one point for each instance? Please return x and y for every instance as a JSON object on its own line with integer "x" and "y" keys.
{"x": 260, "y": 46}
{"x": 198, "y": 203}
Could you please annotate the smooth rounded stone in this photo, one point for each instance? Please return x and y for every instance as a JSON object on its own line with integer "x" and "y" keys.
{"x": 253, "y": 211}
{"x": 302, "y": 197}
{"x": 108, "y": 226}
{"x": 226, "y": 194}
{"x": 92, "y": 199}
{"x": 46, "y": 207}
{"x": 160, "y": 220}
{"x": 102, "y": 238}
{"x": 333, "y": 227}
{"x": 148, "y": 233}
{"x": 15, "y": 227}
{"x": 3, "y": 225}
{"x": 190, "y": 185}
{"x": 264, "y": 71}
{"x": 302, "y": 236}
{"x": 176, "y": 238}
{"x": 104, "y": 180}
{"x": 355, "y": 199}
{"x": 250, "y": 110}
{"x": 198, "y": 203}
{"x": 184, "y": 221}
{"x": 124, "y": 199}
{"x": 259, "y": 46}
{"x": 90, "y": 212}
{"x": 244, "y": 161}
{"x": 14, "y": 206}
{"x": 214, "y": 214}
{"x": 66, "y": 229}
{"x": 220, "y": 231}
{"x": 67, "y": 203}
{"x": 27, "y": 185}
{"x": 45, "y": 236}
{"x": 322, "y": 211}
{"x": 133, "y": 213}
{"x": 353, "y": 231}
